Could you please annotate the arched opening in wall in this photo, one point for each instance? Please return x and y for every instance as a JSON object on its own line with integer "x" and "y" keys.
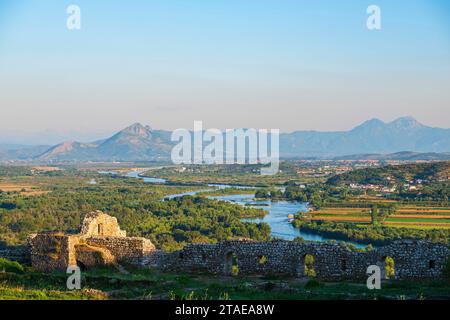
{"x": 307, "y": 266}
{"x": 389, "y": 267}
{"x": 81, "y": 266}
{"x": 231, "y": 264}
{"x": 344, "y": 265}
{"x": 181, "y": 255}
{"x": 100, "y": 229}
{"x": 431, "y": 264}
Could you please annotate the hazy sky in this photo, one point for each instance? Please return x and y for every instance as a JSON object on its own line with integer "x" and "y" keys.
{"x": 292, "y": 65}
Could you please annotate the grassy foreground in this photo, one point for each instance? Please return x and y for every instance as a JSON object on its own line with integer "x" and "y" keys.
{"x": 149, "y": 284}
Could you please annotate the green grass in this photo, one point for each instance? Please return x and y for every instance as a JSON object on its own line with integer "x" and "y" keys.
{"x": 106, "y": 283}
{"x": 10, "y": 266}
{"x": 419, "y": 227}
{"x": 436, "y": 220}
{"x": 20, "y": 293}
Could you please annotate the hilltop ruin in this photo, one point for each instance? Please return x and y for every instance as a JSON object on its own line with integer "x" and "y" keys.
{"x": 102, "y": 242}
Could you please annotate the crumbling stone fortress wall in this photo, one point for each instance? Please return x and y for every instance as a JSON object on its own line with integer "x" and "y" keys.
{"x": 413, "y": 259}
{"x": 101, "y": 241}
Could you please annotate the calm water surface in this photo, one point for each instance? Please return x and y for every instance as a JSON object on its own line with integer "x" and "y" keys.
{"x": 278, "y": 211}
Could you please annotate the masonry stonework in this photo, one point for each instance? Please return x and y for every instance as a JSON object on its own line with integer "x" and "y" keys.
{"x": 413, "y": 259}
{"x": 101, "y": 242}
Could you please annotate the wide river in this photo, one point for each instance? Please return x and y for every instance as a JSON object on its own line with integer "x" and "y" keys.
{"x": 278, "y": 211}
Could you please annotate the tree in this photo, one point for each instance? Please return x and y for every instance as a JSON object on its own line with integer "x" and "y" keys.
{"x": 263, "y": 194}
{"x": 309, "y": 265}
{"x": 374, "y": 214}
{"x": 390, "y": 268}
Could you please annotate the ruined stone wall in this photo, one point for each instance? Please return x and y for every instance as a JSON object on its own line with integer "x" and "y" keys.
{"x": 97, "y": 223}
{"x": 101, "y": 241}
{"x": 413, "y": 259}
{"x": 88, "y": 256}
{"x": 123, "y": 248}
{"x": 52, "y": 251}
{"x": 17, "y": 253}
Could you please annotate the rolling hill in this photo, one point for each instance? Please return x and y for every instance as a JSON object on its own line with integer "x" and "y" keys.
{"x": 429, "y": 172}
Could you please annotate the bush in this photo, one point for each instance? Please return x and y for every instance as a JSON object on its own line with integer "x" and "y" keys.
{"x": 309, "y": 266}
{"x": 390, "y": 268}
{"x": 10, "y": 266}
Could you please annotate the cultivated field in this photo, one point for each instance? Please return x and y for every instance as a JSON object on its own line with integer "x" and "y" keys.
{"x": 409, "y": 216}
{"x": 22, "y": 188}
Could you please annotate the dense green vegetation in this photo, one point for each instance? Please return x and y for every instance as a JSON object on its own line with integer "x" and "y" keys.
{"x": 399, "y": 174}
{"x": 316, "y": 194}
{"x": 235, "y": 174}
{"x": 15, "y": 171}
{"x": 10, "y": 266}
{"x": 138, "y": 207}
{"x": 433, "y": 190}
{"x": 226, "y": 191}
{"x": 109, "y": 283}
{"x": 373, "y": 234}
{"x": 172, "y": 224}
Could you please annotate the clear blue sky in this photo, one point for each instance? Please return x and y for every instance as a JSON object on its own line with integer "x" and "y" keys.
{"x": 285, "y": 64}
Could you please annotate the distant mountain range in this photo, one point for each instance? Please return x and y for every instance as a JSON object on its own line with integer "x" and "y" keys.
{"x": 134, "y": 143}
{"x": 402, "y": 139}
{"x": 373, "y": 136}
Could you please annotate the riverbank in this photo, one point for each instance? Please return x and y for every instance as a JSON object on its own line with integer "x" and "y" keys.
{"x": 277, "y": 211}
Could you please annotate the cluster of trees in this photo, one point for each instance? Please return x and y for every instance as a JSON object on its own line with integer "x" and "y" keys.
{"x": 169, "y": 224}
{"x": 15, "y": 171}
{"x": 374, "y": 234}
{"x": 234, "y": 174}
{"x": 437, "y": 192}
{"x": 434, "y": 190}
{"x": 379, "y": 212}
{"x": 397, "y": 174}
{"x": 316, "y": 194}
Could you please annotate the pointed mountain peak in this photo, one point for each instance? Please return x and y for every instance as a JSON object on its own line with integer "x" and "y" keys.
{"x": 405, "y": 123}
{"x": 138, "y": 130}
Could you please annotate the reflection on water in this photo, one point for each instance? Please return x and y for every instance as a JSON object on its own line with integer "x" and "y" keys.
{"x": 112, "y": 173}
{"x": 135, "y": 174}
{"x": 277, "y": 218}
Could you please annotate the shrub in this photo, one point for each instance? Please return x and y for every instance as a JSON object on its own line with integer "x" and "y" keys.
{"x": 234, "y": 270}
{"x": 390, "y": 268}
{"x": 262, "y": 260}
{"x": 10, "y": 266}
{"x": 309, "y": 266}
